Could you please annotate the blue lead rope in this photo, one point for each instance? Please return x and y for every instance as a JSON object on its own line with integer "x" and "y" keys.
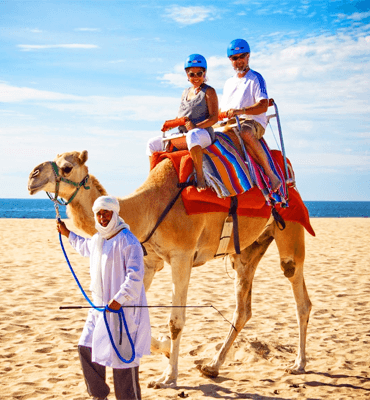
{"x": 122, "y": 317}
{"x": 121, "y": 314}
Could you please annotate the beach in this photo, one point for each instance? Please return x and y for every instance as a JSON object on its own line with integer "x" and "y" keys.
{"x": 38, "y": 342}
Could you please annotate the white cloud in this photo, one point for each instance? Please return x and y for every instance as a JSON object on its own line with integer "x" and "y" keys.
{"x": 117, "y": 61}
{"x": 334, "y": 160}
{"x": 138, "y": 108}
{"x": 147, "y": 108}
{"x": 191, "y": 15}
{"x": 31, "y": 47}
{"x": 357, "y": 16}
{"x": 13, "y": 94}
{"x": 88, "y": 29}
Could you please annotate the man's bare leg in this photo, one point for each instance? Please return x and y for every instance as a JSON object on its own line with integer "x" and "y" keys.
{"x": 255, "y": 149}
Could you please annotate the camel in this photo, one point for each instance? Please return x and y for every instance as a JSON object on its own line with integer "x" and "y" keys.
{"x": 141, "y": 210}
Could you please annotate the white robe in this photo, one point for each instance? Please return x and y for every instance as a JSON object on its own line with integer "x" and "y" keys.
{"x": 122, "y": 277}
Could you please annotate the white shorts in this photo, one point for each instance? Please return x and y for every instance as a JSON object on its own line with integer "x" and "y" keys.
{"x": 195, "y": 137}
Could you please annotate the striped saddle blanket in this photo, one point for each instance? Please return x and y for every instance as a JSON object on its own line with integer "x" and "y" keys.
{"x": 229, "y": 175}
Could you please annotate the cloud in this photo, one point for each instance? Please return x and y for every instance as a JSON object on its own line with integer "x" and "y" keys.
{"x": 88, "y": 29}
{"x": 32, "y": 47}
{"x": 13, "y": 94}
{"x": 191, "y": 15}
{"x": 117, "y": 61}
{"x": 143, "y": 108}
{"x": 134, "y": 108}
{"x": 334, "y": 160}
{"x": 357, "y": 16}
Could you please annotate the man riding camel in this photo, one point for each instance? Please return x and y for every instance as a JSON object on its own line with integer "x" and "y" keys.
{"x": 245, "y": 94}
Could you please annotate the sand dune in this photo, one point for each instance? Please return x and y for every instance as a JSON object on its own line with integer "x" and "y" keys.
{"x": 38, "y": 342}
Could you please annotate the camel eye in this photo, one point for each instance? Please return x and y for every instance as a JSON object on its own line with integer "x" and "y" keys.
{"x": 66, "y": 170}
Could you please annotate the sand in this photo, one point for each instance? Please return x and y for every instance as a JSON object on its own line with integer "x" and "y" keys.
{"x": 38, "y": 342}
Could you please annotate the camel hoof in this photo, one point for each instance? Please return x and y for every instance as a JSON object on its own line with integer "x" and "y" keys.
{"x": 154, "y": 385}
{"x": 160, "y": 385}
{"x": 207, "y": 371}
{"x": 295, "y": 371}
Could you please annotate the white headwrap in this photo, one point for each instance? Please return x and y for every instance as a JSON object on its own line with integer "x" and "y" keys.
{"x": 116, "y": 224}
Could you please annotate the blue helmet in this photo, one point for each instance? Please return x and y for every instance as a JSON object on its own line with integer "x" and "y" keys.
{"x": 195, "y": 60}
{"x": 238, "y": 46}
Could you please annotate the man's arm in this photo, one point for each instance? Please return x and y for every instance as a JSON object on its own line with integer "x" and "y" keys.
{"x": 134, "y": 264}
{"x": 82, "y": 245}
{"x": 258, "y": 108}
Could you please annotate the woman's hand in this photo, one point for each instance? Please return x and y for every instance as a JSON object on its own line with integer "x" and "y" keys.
{"x": 189, "y": 125}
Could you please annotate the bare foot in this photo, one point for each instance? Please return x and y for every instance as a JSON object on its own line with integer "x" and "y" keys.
{"x": 275, "y": 183}
{"x": 201, "y": 185}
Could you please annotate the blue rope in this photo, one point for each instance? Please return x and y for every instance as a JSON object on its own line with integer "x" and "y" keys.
{"x": 122, "y": 317}
{"x": 121, "y": 314}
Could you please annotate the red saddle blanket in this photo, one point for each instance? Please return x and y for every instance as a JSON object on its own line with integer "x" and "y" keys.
{"x": 250, "y": 204}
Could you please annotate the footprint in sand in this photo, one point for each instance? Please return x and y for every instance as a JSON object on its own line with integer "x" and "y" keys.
{"x": 45, "y": 350}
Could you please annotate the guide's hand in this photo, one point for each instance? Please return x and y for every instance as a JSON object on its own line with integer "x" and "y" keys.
{"x": 61, "y": 228}
{"x": 114, "y": 305}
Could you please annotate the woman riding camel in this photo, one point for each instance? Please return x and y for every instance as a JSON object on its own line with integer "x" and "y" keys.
{"x": 199, "y": 104}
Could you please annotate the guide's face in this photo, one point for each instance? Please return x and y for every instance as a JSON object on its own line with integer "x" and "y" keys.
{"x": 104, "y": 217}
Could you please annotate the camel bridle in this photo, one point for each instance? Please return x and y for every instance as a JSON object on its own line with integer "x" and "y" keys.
{"x": 59, "y": 179}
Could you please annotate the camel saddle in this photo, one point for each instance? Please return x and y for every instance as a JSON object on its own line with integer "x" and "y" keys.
{"x": 251, "y": 203}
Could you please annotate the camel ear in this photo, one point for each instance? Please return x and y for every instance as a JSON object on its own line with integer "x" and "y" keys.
{"x": 83, "y": 156}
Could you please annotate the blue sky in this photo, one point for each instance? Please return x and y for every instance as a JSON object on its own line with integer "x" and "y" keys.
{"x": 104, "y": 75}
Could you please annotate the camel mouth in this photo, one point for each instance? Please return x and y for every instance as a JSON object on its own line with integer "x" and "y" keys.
{"x": 34, "y": 188}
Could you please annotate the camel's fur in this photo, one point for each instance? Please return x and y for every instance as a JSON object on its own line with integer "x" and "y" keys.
{"x": 182, "y": 251}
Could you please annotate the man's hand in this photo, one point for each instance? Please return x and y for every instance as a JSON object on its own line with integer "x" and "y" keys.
{"x": 61, "y": 228}
{"x": 231, "y": 113}
{"x": 114, "y": 305}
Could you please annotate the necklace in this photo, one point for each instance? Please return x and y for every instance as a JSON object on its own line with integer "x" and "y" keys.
{"x": 198, "y": 89}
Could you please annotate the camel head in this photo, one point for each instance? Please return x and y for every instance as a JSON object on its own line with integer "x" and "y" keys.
{"x": 70, "y": 166}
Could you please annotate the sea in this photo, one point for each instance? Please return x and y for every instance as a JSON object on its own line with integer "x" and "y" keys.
{"x": 44, "y": 208}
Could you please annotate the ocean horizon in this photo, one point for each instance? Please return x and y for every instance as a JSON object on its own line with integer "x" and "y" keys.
{"x": 44, "y": 209}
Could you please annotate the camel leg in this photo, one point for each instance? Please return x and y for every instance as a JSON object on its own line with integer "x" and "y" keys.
{"x": 291, "y": 245}
{"x": 181, "y": 270}
{"x": 245, "y": 266}
{"x": 152, "y": 264}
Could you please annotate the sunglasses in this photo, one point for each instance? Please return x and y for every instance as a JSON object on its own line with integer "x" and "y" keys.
{"x": 234, "y": 58}
{"x": 193, "y": 74}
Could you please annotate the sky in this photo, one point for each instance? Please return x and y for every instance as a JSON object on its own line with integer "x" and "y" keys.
{"x": 103, "y": 76}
